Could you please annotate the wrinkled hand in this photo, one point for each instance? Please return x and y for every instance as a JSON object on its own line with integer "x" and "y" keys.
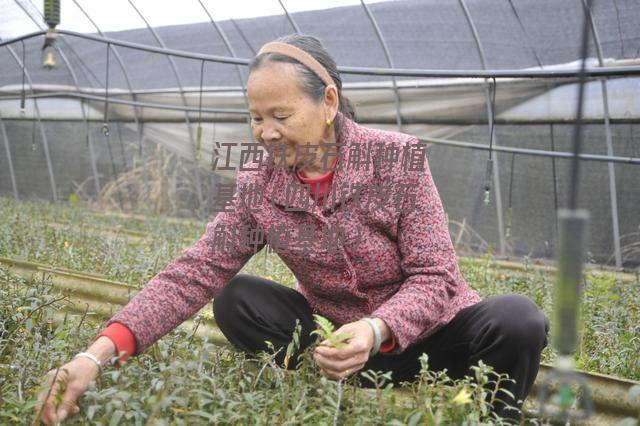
{"x": 339, "y": 364}
{"x": 71, "y": 381}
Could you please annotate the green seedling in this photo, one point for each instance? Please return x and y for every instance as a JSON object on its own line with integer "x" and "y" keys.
{"x": 327, "y": 332}
{"x": 62, "y": 388}
{"x": 207, "y": 383}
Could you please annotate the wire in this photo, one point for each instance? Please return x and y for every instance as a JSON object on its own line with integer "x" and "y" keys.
{"x": 493, "y": 114}
{"x": 555, "y": 179}
{"x": 22, "y": 91}
{"x": 574, "y": 176}
{"x": 489, "y": 169}
{"x": 510, "y": 207}
{"x": 105, "y": 125}
{"x": 201, "y": 84}
{"x": 198, "y": 146}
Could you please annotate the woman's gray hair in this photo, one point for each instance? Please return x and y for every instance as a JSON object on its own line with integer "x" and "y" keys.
{"x": 311, "y": 84}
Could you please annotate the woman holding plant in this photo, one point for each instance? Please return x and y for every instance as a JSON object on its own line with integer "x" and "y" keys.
{"x": 368, "y": 244}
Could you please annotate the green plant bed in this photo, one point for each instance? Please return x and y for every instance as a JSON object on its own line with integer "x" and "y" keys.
{"x": 184, "y": 380}
{"x": 610, "y": 320}
{"x": 611, "y": 314}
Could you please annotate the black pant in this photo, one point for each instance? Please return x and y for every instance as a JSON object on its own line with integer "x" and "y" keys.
{"x": 507, "y": 332}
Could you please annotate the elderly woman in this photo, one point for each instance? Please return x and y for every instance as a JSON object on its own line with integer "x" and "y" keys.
{"x": 368, "y": 243}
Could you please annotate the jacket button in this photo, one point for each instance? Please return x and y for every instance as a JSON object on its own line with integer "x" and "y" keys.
{"x": 346, "y": 274}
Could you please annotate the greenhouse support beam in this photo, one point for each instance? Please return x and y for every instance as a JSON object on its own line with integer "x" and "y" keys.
{"x": 424, "y": 84}
{"x": 290, "y": 18}
{"x": 132, "y": 103}
{"x": 524, "y": 32}
{"x": 617, "y": 71}
{"x": 613, "y": 193}
{"x": 242, "y": 36}
{"x": 237, "y": 112}
{"x": 385, "y": 51}
{"x": 174, "y": 68}
{"x": 5, "y": 138}
{"x": 136, "y": 111}
{"x": 533, "y": 152}
{"x": 552, "y": 142}
{"x": 232, "y": 52}
{"x": 490, "y": 114}
{"x": 45, "y": 142}
{"x": 387, "y": 55}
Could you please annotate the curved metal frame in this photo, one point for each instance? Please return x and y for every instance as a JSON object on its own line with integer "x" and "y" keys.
{"x": 524, "y": 32}
{"x": 387, "y": 55}
{"x": 595, "y": 72}
{"x": 613, "y": 193}
{"x": 130, "y": 103}
{"x": 5, "y": 137}
{"x": 384, "y": 48}
{"x": 244, "y": 38}
{"x": 490, "y": 113}
{"x": 533, "y": 152}
{"x": 136, "y": 112}
{"x": 45, "y": 142}
{"x": 232, "y": 52}
{"x": 174, "y": 67}
{"x": 289, "y": 18}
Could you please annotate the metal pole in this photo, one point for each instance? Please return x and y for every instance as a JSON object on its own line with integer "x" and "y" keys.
{"x": 387, "y": 55}
{"x": 534, "y": 152}
{"x": 244, "y": 38}
{"x": 232, "y": 52}
{"x": 613, "y": 193}
{"x": 555, "y": 180}
{"x": 524, "y": 32}
{"x": 136, "y": 111}
{"x": 174, "y": 67}
{"x": 3, "y": 131}
{"x": 290, "y": 18}
{"x": 132, "y": 103}
{"x": 490, "y": 113}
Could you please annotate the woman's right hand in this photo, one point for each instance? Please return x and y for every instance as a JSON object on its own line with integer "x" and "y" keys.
{"x": 56, "y": 403}
{"x": 70, "y": 381}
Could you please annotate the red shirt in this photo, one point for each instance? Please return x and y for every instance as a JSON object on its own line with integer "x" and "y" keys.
{"x": 320, "y": 184}
{"x": 124, "y": 340}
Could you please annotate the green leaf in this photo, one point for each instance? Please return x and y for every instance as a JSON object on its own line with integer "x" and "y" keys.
{"x": 325, "y": 325}
{"x": 115, "y": 417}
{"x": 204, "y": 414}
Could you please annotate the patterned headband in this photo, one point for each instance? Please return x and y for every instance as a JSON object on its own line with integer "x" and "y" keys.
{"x": 299, "y": 55}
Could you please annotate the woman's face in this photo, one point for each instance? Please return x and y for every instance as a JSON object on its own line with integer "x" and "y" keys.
{"x": 282, "y": 113}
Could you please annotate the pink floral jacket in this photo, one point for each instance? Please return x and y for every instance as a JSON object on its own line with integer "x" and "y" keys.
{"x": 378, "y": 247}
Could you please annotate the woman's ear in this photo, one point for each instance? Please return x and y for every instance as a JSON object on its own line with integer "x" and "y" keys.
{"x": 331, "y": 101}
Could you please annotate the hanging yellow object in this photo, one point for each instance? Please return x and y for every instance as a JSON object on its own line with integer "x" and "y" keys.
{"x": 49, "y": 60}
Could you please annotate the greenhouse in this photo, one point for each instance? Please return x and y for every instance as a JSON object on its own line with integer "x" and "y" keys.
{"x": 459, "y": 197}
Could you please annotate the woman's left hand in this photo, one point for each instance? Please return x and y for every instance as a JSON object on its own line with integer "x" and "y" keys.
{"x": 338, "y": 364}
